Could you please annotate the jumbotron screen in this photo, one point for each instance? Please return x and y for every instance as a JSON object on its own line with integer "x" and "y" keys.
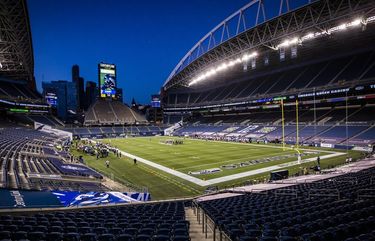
{"x": 155, "y": 101}
{"x": 51, "y": 98}
{"x": 107, "y": 80}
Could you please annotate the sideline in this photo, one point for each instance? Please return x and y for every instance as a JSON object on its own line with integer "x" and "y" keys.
{"x": 203, "y": 183}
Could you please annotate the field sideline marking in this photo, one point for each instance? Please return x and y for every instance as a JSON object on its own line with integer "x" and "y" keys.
{"x": 167, "y": 170}
{"x": 203, "y": 183}
{"x": 270, "y": 168}
{"x": 244, "y": 159}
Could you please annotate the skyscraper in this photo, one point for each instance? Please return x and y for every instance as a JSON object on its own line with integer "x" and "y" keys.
{"x": 75, "y": 73}
{"x": 79, "y": 82}
{"x": 81, "y": 93}
{"x": 66, "y": 94}
{"x": 91, "y": 93}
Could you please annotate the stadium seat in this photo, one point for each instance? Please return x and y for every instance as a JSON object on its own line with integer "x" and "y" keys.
{"x": 19, "y": 235}
{"x": 247, "y": 238}
{"x": 268, "y": 239}
{"x": 36, "y": 236}
{"x": 161, "y": 237}
{"x": 163, "y": 231}
{"x": 131, "y": 231}
{"x": 287, "y": 238}
{"x": 143, "y": 237}
{"x": 88, "y": 237}
{"x": 106, "y": 237}
{"x": 125, "y": 237}
{"x": 71, "y": 236}
{"x": 116, "y": 231}
{"x": 5, "y": 235}
{"x": 53, "y": 236}
{"x": 181, "y": 238}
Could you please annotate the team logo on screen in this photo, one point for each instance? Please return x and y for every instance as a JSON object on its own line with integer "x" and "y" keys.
{"x": 109, "y": 84}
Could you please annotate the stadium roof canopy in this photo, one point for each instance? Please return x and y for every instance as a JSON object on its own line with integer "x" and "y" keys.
{"x": 266, "y": 24}
{"x": 16, "y": 51}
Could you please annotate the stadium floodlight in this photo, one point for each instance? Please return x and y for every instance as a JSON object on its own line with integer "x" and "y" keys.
{"x": 211, "y": 72}
{"x": 247, "y": 57}
{"x": 231, "y": 63}
{"x": 224, "y": 66}
{"x": 356, "y": 22}
{"x": 221, "y": 67}
{"x": 287, "y": 43}
{"x": 307, "y": 37}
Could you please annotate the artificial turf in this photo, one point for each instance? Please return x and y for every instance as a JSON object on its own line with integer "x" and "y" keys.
{"x": 192, "y": 155}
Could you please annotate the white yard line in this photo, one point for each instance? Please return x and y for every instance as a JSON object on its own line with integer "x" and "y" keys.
{"x": 168, "y": 170}
{"x": 270, "y": 168}
{"x": 203, "y": 183}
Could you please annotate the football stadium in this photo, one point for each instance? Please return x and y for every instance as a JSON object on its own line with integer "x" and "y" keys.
{"x": 264, "y": 131}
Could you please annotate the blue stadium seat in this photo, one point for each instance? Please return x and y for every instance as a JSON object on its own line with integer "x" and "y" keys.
{"x": 88, "y": 237}
{"x": 143, "y": 237}
{"x": 53, "y": 236}
{"x": 131, "y": 231}
{"x": 36, "y": 236}
{"x": 71, "y": 236}
{"x": 106, "y": 237}
{"x": 125, "y": 237}
{"x": 161, "y": 238}
{"x": 5, "y": 235}
{"x": 19, "y": 235}
{"x": 181, "y": 238}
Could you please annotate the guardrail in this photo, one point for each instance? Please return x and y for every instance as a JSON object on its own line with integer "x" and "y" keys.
{"x": 208, "y": 224}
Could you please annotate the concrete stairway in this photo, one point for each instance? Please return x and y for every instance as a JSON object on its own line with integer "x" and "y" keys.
{"x": 195, "y": 231}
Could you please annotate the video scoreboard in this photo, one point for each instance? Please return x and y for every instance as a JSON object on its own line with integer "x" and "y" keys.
{"x": 107, "y": 80}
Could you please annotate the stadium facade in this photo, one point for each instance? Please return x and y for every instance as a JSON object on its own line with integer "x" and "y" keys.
{"x": 249, "y": 69}
{"x": 312, "y": 64}
{"x": 16, "y": 49}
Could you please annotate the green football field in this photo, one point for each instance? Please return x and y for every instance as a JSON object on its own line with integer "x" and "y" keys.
{"x": 173, "y": 171}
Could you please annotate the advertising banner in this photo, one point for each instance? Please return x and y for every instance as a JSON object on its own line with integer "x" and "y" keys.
{"x": 27, "y": 199}
{"x": 97, "y": 198}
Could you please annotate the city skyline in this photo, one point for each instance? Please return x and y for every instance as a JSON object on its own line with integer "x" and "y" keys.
{"x": 144, "y": 54}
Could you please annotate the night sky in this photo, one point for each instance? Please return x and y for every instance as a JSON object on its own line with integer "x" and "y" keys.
{"x": 144, "y": 38}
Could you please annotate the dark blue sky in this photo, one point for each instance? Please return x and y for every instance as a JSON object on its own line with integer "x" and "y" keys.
{"x": 144, "y": 38}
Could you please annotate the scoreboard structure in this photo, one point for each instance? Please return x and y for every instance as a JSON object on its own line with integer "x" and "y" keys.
{"x": 107, "y": 80}
{"x": 155, "y": 101}
{"x": 51, "y": 98}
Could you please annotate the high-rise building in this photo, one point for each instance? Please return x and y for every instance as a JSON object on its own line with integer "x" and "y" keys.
{"x": 66, "y": 97}
{"x": 75, "y": 73}
{"x": 91, "y": 93}
{"x": 81, "y": 93}
{"x": 80, "y": 83}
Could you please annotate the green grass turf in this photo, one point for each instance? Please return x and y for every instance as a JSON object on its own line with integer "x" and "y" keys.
{"x": 160, "y": 185}
{"x": 193, "y": 155}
